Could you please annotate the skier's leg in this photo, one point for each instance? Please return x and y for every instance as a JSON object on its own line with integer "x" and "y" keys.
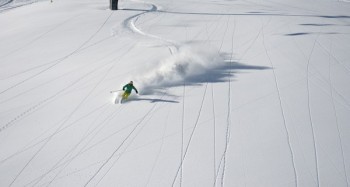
{"x": 125, "y": 95}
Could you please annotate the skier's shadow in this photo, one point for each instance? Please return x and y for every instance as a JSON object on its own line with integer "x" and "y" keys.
{"x": 153, "y": 100}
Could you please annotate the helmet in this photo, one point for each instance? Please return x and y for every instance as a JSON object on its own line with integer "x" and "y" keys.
{"x": 131, "y": 82}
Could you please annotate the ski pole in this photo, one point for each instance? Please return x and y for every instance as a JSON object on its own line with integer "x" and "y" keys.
{"x": 115, "y": 91}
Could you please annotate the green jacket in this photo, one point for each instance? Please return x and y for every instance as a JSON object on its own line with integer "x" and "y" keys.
{"x": 129, "y": 87}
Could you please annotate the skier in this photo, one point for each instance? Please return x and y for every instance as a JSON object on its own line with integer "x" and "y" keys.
{"x": 127, "y": 90}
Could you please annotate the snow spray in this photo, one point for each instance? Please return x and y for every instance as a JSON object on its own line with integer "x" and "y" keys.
{"x": 189, "y": 64}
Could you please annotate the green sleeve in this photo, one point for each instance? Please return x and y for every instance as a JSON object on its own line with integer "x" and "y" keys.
{"x": 135, "y": 89}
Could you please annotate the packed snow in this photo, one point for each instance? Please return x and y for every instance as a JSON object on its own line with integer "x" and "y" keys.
{"x": 231, "y": 93}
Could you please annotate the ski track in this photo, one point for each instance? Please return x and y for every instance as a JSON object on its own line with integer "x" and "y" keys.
{"x": 59, "y": 77}
{"x": 182, "y": 132}
{"x": 281, "y": 108}
{"x": 190, "y": 138}
{"x": 160, "y": 148}
{"x": 228, "y": 120}
{"x": 310, "y": 114}
{"x": 109, "y": 136}
{"x": 214, "y": 134}
{"x": 40, "y": 36}
{"x": 84, "y": 149}
{"x": 331, "y": 95}
{"x": 328, "y": 82}
{"x": 67, "y": 118}
{"x": 71, "y": 159}
{"x": 243, "y": 150}
{"x": 96, "y": 131}
{"x": 252, "y": 44}
{"x": 335, "y": 58}
{"x": 223, "y": 37}
{"x": 120, "y": 145}
{"x": 46, "y": 142}
{"x": 40, "y": 104}
{"x": 49, "y": 99}
{"x": 100, "y": 82}
{"x": 52, "y": 62}
{"x": 336, "y": 114}
{"x": 31, "y": 144}
{"x": 57, "y": 62}
{"x": 87, "y": 133}
{"x": 206, "y": 30}
{"x": 76, "y": 171}
{"x": 173, "y": 47}
{"x": 105, "y": 122}
{"x": 323, "y": 79}
{"x": 153, "y": 111}
{"x": 130, "y": 23}
{"x": 213, "y": 100}
{"x": 182, "y": 135}
{"x": 14, "y": 6}
{"x": 216, "y": 172}
{"x": 8, "y": 2}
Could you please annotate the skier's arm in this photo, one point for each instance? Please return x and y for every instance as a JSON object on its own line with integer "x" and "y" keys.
{"x": 135, "y": 89}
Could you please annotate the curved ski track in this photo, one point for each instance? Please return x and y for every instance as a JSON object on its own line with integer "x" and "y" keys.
{"x": 310, "y": 114}
{"x": 281, "y": 108}
{"x": 130, "y": 23}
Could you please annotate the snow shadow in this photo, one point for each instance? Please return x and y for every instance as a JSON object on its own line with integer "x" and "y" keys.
{"x": 297, "y": 34}
{"x": 191, "y": 65}
{"x": 309, "y": 33}
{"x": 335, "y": 17}
{"x": 152, "y": 100}
{"x": 250, "y": 13}
{"x": 317, "y": 24}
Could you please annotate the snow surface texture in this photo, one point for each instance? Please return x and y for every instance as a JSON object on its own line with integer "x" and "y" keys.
{"x": 10, "y": 4}
{"x": 233, "y": 93}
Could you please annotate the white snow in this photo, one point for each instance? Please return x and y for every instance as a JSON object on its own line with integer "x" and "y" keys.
{"x": 232, "y": 93}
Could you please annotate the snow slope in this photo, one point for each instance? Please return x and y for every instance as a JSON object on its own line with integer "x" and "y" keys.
{"x": 232, "y": 93}
{"x": 11, "y": 4}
